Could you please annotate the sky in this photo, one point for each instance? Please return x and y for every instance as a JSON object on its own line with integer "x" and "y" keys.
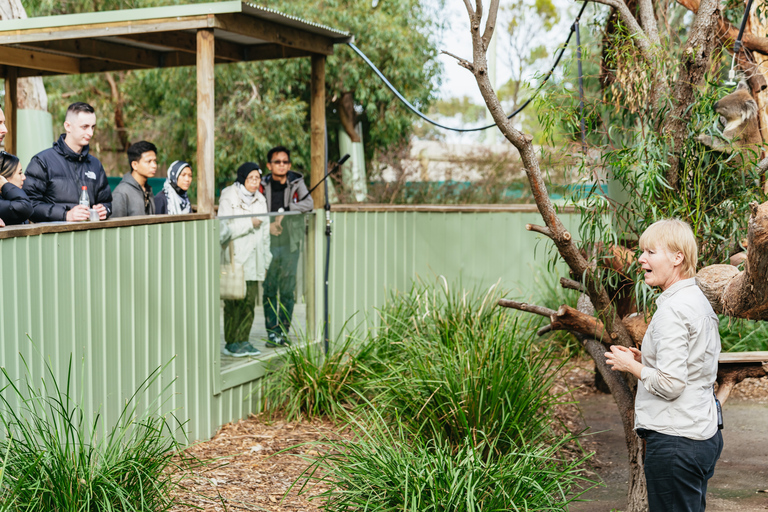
{"x": 458, "y": 81}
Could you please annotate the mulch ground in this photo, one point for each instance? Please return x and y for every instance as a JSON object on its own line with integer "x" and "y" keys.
{"x": 258, "y": 459}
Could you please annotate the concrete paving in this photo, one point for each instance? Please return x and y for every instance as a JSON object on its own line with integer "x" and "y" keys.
{"x": 741, "y": 476}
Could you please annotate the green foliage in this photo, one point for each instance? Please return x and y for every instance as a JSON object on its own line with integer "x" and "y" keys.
{"x": 465, "y": 369}
{"x": 307, "y": 383}
{"x": 383, "y": 470}
{"x": 626, "y": 130}
{"x": 262, "y": 104}
{"x": 739, "y": 335}
{"x": 56, "y": 460}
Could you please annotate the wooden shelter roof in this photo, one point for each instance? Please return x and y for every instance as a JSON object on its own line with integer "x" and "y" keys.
{"x": 158, "y": 37}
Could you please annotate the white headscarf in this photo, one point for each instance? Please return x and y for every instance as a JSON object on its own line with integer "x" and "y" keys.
{"x": 178, "y": 201}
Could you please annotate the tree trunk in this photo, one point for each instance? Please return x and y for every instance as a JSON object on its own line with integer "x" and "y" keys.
{"x": 695, "y": 62}
{"x": 742, "y": 294}
{"x": 760, "y": 26}
{"x": 31, "y": 91}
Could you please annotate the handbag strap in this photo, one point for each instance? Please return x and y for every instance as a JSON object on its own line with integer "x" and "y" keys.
{"x": 231, "y": 253}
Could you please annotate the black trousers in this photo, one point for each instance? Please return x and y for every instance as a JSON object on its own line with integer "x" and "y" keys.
{"x": 677, "y": 470}
{"x": 280, "y": 279}
{"x": 239, "y": 314}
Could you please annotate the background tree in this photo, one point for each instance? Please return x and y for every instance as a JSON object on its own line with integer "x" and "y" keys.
{"x": 260, "y": 105}
{"x": 664, "y": 93}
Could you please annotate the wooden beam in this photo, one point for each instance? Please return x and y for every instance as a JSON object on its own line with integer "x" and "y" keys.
{"x": 11, "y": 107}
{"x": 39, "y": 60}
{"x": 100, "y": 50}
{"x": 274, "y": 33}
{"x": 187, "y": 42}
{"x": 317, "y": 124}
{"x": 272, "y": 51}
{"x": 169, "y": 60}
{"x": 104, "y": 29}
{"x": 205, "y": 121}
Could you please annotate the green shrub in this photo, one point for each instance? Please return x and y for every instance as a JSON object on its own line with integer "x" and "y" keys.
{"x": 739, "y": 335}
{"x": 381, "y": 471}
{"x": 308, "y": 383}
{"x": 56, "y": 461}
{"x": 465, "y": 369}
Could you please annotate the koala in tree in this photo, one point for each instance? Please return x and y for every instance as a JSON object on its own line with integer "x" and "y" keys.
{"x": 738, "y": 114}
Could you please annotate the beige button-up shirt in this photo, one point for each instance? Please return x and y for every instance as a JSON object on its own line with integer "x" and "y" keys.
{"x": 680, "y": 351}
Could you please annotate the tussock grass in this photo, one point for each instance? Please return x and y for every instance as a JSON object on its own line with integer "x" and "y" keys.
{"x": 384, "y": 470}
{"x": 467, "y": 370}
{"x": 55, "y": 460}
{"x": 306, "y": 383}
{"x": 451, "y": 404}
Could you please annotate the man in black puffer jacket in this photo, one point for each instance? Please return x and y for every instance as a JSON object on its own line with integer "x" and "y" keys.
{"x": 55, "y": 177}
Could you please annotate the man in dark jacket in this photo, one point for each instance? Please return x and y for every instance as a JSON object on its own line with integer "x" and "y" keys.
{"x": 55, "y": 176}
{"x": 284, "y": 191}
{"x": 133, "y": 196}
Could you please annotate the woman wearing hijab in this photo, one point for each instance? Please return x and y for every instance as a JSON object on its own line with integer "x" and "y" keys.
{"x": 173, "y": 199}
{"x": 15, "y": 206}
{"x": 250, "y": 239}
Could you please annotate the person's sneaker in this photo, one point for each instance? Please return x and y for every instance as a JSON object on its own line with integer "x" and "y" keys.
{"x": 284, "y": 341}
{"x": 241, "y": 349}
{"x": 274, "y": 340}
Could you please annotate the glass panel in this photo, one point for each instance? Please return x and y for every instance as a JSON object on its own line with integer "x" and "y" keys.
{"x": 264, "y": 299}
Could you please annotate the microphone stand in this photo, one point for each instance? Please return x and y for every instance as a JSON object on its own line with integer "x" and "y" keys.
{"x": 336, "y": 165}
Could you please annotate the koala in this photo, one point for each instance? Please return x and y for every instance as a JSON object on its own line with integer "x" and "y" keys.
{"x": 738, "y": 114}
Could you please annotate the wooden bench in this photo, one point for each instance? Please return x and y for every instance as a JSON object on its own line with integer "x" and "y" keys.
{"x": 733, "y": 367}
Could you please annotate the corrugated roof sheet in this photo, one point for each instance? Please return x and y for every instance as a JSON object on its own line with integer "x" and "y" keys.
{"x": 175, "y": 11}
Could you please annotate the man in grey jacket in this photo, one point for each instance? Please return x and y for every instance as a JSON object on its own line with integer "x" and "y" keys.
{"x": 133, "y": 196}
{"x": 284, "y": 190}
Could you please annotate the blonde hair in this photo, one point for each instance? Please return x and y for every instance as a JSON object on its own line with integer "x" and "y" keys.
{"x": 674, "y": 235}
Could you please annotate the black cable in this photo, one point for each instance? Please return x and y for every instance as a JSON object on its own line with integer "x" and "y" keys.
{"x": 581, "y": 89}
{"x": 737, "y": 43}
{"x": 510, "y": 116}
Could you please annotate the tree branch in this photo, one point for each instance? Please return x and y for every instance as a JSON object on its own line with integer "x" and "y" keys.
{"x": 462, "y": 62}
{"x": 530, "y": 308}
{"x": 638, "y": 36}
{"x": 570, "y": 284}
{"x": 539, "y": 229}
{"x": 742, "y": 294}
{"x": 560, "y": 236}
{"x": 730, "y": 374}
{"x": 727, "y": 33}
{"x": 490, "y": 24}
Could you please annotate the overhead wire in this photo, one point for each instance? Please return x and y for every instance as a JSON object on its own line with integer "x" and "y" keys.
{"x": 465, "y": 130}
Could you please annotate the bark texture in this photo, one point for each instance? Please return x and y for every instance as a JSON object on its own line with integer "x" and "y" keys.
{"x": 742, "y": 294}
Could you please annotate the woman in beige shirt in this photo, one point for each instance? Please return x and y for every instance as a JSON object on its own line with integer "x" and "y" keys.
{"x": 675, "y": 407}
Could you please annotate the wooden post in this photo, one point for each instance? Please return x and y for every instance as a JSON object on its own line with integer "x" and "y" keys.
{"x": 11, "y": 104}
{"x": 317, "y": 171}
{"x": 205, "y": 122}
{"x": 317, "y": 121}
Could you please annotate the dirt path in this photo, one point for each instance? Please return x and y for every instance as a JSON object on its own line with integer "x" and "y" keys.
{"x": 741, "y": 472}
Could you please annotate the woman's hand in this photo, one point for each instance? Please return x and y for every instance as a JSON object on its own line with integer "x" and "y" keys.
{"x": 256, "y": 222}
{"x": 624, "y": 359}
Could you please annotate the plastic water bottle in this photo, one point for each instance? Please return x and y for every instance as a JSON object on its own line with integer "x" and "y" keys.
{"x": 85, "y": 200}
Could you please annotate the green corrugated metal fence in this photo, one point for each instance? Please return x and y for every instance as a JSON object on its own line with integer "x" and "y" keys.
{"x": 375, "y": 252}
{"x": 122, "y": 301}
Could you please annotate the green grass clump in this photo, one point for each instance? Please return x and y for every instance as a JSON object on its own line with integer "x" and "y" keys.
{"x": 307, "y": 383}
{"x": 56, "y": 460}
{"x": 385, "y": 471}
{"x": 467, "y": 370}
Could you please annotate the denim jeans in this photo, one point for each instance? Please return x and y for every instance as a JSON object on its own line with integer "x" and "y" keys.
{"x": 677, "y": 470}
{"x": 280, "y": 279}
